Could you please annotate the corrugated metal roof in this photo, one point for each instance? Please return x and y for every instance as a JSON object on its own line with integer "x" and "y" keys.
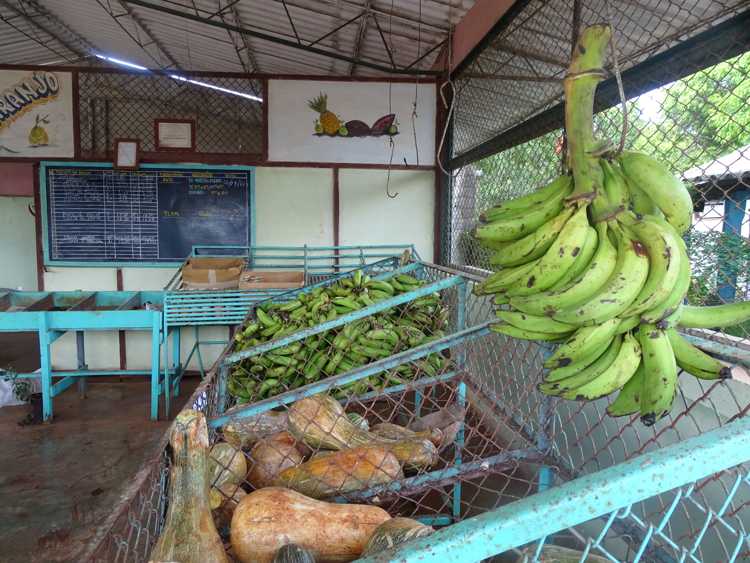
{"x": 151, "y": 38}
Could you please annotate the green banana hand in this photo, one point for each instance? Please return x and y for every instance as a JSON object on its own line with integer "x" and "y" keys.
{"x": 579, "y": 290}
{"x": 555, "y": 385}
{"x": 560, "y": 185}
{"x": 582, "y": 262}
{"x": 666, "y": 191}
{"x": 695, "y": 361}
{"x": 583, "y": 343}
{"x": 717, "y": 316}
{"x": 557, "y": 259}
{"x": 533, "y": 245}
{"x": 664, "y": 255}
{"x": 660, "y": 374}
{"x": 502, "y": 280}
{"x": 620, "y": 290}
{"x": 628, "y": 400}
{"x": 614, "y": 377}
{"x": 673, "y": 302}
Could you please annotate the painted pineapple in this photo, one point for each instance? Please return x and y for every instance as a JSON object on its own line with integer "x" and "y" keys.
{"x": 38, "y": 134}
{"x": 329, "y": 121}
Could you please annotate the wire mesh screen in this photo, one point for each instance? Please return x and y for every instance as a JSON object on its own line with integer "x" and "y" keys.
{"x": 122, "y": 105}
{"x": 698, "y": 124}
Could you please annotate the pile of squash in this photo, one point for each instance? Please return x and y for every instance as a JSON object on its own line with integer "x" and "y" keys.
{"x": 269, "y": 499}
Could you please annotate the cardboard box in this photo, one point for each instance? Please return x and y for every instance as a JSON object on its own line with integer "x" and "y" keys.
{"x": 212, "y": 273}
{"x": 256, "y": 279}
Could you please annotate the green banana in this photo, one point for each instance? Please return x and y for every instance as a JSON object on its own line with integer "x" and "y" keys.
{"x": 615, "y": 189}
{"x": 584, "y": 342}
{"x": 640, "y": 202}
{"x": 265, "y": 319}
{"x": 628, "y": 400}
{"x": 671, "y": 321}
{"x": 500, "y": 281}
{"x": 534, "y": 323}
{"x": 627, "y": 324}
{"x": 390, "y": 336}
{"x": 660, "y": 374}
{"x": 406, "y": 279}
{"x": 291, "y": 306}
{"x": 664, "y": 255}
{"x": 515, "y": 332}
{"x": 558, "y": 258}
{"x": 560, "y": 185}
{"x": 614, "y": 377}
{"x": 579, "y": 290}
{"x": 557, "y": 385}
{"x": 667, "y": 307}
{"x": 582, "y": 261}
{"x": 519, "y": 225}
{"x": 715, "y": 316}
{"x": 694, "y": 360}
{"x": 380, "y": 285}
{"x": 357, "y": 278}
{"x": 316, "y": 364}
{"x": 533, "y": 245}
{"x": 620, "y": 290}
{"x": 666, "y": 191}
{"x": 559, "y": 374}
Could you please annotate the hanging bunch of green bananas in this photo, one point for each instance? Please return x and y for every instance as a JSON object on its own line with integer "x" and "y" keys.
{"x": 595, "y": 261}
{"x": 344, "y": 348}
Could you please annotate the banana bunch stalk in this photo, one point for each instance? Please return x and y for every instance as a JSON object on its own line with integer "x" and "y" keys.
{"x": 344, "y": 348}
{"x": 595, "y": 261}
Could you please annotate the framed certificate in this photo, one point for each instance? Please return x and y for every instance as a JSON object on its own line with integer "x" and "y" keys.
{"x": 175, "y": 135}
{"x": 127, "y": 154}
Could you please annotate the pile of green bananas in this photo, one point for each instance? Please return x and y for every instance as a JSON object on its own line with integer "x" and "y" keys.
{"x": 344, "y": 348}
{"x": 596, "y": 260}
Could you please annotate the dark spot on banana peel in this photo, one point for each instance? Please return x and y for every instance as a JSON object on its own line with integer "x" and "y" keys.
{"x": 640, "y": 250}
{"x": 668, "y": 254}
{"x": 725, "y": 373}
{"x": 562, "y": 362}
{"x": 664, "y": 380}
{"x": 654, "y": 334}
{"x": 648, "y": 419}
{"x": 575, "y": 252}
{"x": 531, "y": 281}
{"x": 582, "y": 49}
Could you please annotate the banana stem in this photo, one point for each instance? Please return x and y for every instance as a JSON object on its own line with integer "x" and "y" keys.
{"x": 584, "y": 74}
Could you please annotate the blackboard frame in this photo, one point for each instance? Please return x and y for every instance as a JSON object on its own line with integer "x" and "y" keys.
{"x": 162, "y": 263}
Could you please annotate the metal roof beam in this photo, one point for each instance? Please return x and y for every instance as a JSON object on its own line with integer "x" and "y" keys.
{"x": 45, "y": 44}
{"x": 361, "y": 33}
{"x": 281, "y": 41}
{"x": 73, "y": 42}
{"x": 107, "y": 7}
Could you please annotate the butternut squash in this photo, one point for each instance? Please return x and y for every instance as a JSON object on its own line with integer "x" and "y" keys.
{"x": 226, "y": 466}
{"x": 267, "y": 519}
{"x": 396, "y": 432}
{"x": 189, "y": 534}
{"x": 394, "y": 532}
{"x": 321, "y": 422}
{"x": 269, "y": 457}
{"x": 242, "y": 433}
{"x": 342, "y": 472}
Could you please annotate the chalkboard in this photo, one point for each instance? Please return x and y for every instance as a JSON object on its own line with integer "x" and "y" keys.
{"x": 156, "y": 214}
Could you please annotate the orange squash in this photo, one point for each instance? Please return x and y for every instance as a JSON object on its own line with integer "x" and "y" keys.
{"x": 267, "y": 519}
{"x": 271, "y": 456}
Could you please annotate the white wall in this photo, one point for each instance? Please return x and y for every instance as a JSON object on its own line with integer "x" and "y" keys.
{"x": 291, "y": 123}
{"x": 17, "y": 244}
{"x": 368, "y": 215}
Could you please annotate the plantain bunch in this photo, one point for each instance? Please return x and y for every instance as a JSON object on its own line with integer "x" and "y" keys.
{"x": 596, "y": 262}
{"x": 343, "y": 348}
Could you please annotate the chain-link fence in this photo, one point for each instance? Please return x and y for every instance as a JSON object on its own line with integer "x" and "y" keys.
{"x": 125, "y": 105}
{"x": 685, "y": 69}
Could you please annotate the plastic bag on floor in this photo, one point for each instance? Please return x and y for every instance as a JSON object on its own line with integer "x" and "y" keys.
{"x": 8, "y": 396}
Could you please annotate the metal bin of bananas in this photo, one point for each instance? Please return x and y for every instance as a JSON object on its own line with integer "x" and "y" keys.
{"x": 394, "y": 311}
{"x": 595, "y": 261}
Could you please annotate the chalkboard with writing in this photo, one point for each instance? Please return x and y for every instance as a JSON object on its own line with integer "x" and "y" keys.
{"x": 156, "y": 214}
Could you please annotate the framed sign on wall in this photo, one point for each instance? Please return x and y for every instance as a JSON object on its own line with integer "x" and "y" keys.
{"x": 127, "y": 154}
{"x": 175, "y": 134}
{"x": 36, "y": 114}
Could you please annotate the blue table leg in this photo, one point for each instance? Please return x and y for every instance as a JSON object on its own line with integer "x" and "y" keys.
{"x": 46, "y": 367}
{"x": 155, "y": 356}
{"x": 81, "y": 357}
{"x": 176, "y": 360}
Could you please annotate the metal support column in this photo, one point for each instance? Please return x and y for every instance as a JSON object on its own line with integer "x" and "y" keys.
{"x": 156, "y": 335}
{"x": 734, "y": 213}
{"x": 461, "y": 392}
{"x": 45, "y": 364}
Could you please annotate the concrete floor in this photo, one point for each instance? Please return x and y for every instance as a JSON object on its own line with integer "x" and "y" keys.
{"x": 59, "y": 481}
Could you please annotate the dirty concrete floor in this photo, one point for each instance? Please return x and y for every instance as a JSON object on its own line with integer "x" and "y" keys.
{"x": 59, "y": 481}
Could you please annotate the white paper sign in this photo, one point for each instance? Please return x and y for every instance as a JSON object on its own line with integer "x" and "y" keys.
{"x": 36, "y": 114}
{"x": 351, "y": 122}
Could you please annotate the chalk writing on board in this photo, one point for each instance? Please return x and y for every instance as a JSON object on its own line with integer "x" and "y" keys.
{"x": 150, "y": 215}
